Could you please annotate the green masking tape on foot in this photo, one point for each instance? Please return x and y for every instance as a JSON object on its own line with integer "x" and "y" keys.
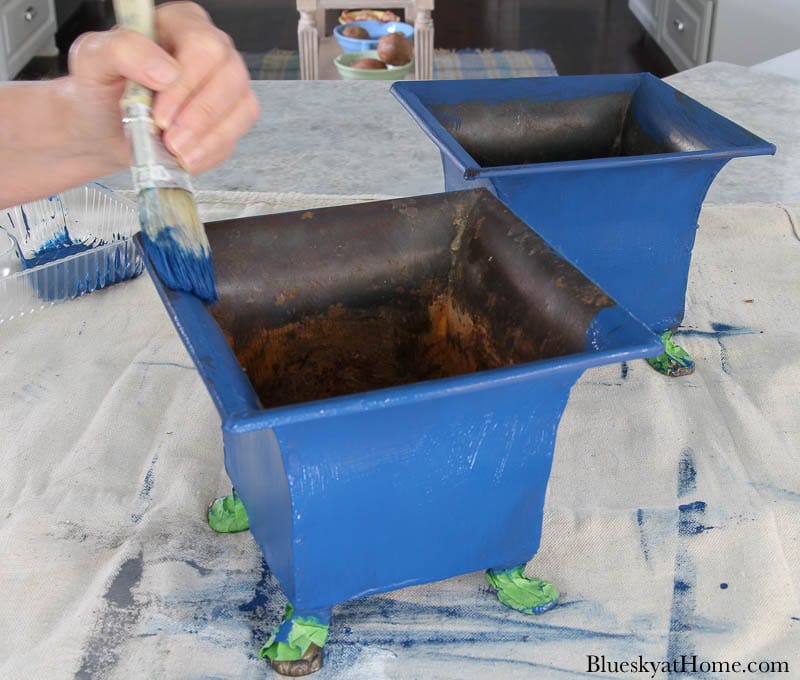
{"x": 227, "y": 515}
{"x": 291, "y": 639}
{"x": 526, "y": 595}
{"x": 674, "y": 361}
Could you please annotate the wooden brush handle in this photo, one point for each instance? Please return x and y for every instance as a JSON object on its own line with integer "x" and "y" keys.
{"x": 137, "y": 15}
{"x": 153, "y": 165}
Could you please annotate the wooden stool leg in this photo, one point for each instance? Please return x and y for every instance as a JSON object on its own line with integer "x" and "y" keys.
{"x": 423, "y": 45}
{"x": 308, "y": 45}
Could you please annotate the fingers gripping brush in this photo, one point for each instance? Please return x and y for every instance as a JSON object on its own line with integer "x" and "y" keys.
{"x": 174, "y": 237}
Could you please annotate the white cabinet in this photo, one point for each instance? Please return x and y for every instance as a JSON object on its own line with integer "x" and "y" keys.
{"x": 27, "y": 27}
{"x": 686, "y": 31}
{"x": 745, "y": 32}
{"x": 648, "y": 13}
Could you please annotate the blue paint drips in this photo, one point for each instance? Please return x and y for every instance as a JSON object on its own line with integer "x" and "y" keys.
{"x": 688, "y": 522}
{"x": 687, "y": 474}
{"x": 723, "y": 586}
{"x": 787, "y": 494}
{"x": 149, "y": 479}
{"x": 683, "y": 610}
{"x": 117, "y": 623}
{"x": 509, "y": 623}
{"x": 25, "y": 222}
{"x": 203, "y": 571}
{"x": 728, "y": 329}
{"x": 718, "y": 330}
{"x": 56, "y": 198}
{"x": 60, "y": 245}
{"x": 683, "y": 615}
{"x": 110, "y": 266}
{"x": 624, "y": 370}
{"x": 264, "y": 609}
{"x": 643, "y": 543}
{"x": 164, "y": 363}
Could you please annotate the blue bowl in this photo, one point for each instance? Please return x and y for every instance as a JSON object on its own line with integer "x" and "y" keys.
{"x": 376, "y": 29}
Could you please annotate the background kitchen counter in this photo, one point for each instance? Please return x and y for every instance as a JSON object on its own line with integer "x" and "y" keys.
{"x": 353, "y": 137}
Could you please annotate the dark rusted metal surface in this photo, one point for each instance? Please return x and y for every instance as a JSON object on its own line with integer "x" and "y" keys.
{"x": 522, "y": 131}
{"x": 355, "y": 298}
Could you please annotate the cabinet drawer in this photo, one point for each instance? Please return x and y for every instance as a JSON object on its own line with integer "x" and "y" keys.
{"x": 686, "y": 29}
{"x": 21, "y": 19}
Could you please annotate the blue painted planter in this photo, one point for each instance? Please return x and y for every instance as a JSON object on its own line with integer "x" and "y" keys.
{"x": 390, "y": 377}
{"x": 610, "y": 170}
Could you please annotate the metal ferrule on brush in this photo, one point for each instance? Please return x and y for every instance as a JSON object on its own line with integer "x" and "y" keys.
{"x": 153, "y": 166}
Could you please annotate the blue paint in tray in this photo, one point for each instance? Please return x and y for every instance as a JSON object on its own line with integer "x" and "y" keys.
{"x": 70, "y": 244}
{"x": 61, "y": 245}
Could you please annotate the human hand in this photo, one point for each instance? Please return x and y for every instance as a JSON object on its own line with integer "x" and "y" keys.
{"x": 202, "y": 96}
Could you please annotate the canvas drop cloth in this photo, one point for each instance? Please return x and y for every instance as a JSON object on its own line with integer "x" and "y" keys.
{"x": 672, "y": 521}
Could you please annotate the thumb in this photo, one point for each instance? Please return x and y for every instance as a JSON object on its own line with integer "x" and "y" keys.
{"x": 105, "y": 57}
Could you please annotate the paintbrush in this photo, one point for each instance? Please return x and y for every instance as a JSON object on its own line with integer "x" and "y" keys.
{"x": 174, "y": 238}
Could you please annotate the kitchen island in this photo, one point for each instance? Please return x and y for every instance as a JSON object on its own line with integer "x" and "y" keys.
{"x": 353, "y": 137}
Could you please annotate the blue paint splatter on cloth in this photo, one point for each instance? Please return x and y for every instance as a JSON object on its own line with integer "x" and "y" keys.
{"x": 687, "y": 474}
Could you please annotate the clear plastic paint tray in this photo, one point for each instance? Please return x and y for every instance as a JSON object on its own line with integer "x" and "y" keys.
{"x": 67, "y": 245}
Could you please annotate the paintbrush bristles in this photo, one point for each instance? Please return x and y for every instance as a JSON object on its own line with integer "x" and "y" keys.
{"x": 175, "y": 241}
{"x": 173, "y": 235}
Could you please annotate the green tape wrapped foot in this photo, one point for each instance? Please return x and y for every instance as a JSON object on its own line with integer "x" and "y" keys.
{"x": 227, "y": 515}
{"x": 674, "y": 361}
{"x": 295, "y": 646}
{"x": 526, "y": 595}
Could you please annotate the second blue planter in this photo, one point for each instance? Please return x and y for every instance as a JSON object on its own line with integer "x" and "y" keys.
{"x": 610, "y": 170}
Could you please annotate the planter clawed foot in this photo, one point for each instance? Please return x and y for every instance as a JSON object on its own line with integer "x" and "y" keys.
{"x": 227, "y": 514}
{"x": 526, "y": 595}
{"x": 295, "y": 646}
{"x": 309, "y": 663}
{"x": 674, "y": 361}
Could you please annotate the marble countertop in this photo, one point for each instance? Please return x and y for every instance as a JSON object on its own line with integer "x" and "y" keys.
{"x": 353, "y": 137}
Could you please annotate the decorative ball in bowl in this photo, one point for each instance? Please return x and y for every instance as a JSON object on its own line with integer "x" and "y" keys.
{"x": 367, "y": 66}
{"x": 358, "y": 36}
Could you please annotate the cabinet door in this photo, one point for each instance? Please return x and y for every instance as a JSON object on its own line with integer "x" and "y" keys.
{"x": 25, "y": 26}
{"x": 21, "y": 20}
{"x": 686, "y": 31}
{"x": 648, "y": 13}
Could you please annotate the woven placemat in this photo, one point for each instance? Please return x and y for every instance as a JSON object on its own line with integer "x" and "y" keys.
{"x": 447, "y": 64}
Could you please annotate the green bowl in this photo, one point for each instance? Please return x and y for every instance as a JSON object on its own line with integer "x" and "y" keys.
{"x": 343, "y": 62}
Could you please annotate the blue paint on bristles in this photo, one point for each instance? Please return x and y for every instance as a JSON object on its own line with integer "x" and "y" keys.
{"x": 175, "y": 241}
